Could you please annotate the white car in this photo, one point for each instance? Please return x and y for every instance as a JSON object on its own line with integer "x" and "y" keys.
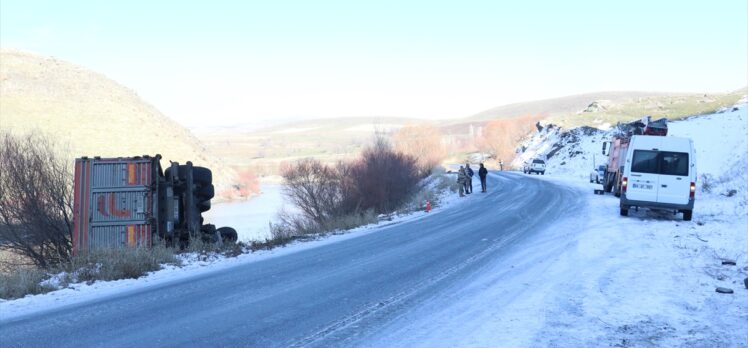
{"x": 659, "y": 172}
{"x": 537, "y": 166}
{"x": 596, "y": 176}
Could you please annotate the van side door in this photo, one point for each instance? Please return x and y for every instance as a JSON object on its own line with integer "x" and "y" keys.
{"x": 674, "y": 185}
{"x": 643, "y": 182}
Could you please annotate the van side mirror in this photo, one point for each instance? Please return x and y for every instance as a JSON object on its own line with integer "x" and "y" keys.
{"x": 605, "y": 145}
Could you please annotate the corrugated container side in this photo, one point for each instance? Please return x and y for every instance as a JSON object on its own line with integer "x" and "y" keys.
{"x": 113, "y": 203}
{"x": 120, "y": 236}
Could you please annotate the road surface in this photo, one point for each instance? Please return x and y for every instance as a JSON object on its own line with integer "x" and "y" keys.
{"x": 338, "y": 294}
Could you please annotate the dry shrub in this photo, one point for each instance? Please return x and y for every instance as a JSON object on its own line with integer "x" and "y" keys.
{"x": 383, "y": 179}
{"x": 23, "y": 281}
{"x": 35, "y": 200}
{"x": 247, "y": 184}
{"x": 348, "y": 194}
{"x": 422, "y": 142}
{"x": 244, "y": 186}
{"x": 114, "y": 264}
{"x": 315, "y": 188}
{"x": 500, "y": 137}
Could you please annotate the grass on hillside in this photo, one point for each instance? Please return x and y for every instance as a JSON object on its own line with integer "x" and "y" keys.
{"x": 673, "y": 108}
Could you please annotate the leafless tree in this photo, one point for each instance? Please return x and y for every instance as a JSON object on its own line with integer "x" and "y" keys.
{"x": 35, "y": 200}
{"x": 315, "y": 188}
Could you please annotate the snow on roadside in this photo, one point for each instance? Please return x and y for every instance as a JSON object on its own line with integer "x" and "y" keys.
{"x": 194, "y": 265}
{"x": 598, "y": 280}
{"x": 649, "y": 280}
{"x": 644, "y": 280}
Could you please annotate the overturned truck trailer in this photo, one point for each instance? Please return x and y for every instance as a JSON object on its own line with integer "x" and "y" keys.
{"x": 130, "y": 202}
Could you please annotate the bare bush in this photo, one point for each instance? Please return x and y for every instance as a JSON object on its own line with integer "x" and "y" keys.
{"x": 348, "y": 194}
{"x": 383, "y": 179}
{"x": 35, "y": 200}
{"x": 707, "y": 183}
{"x": 315, "y": 188}
{"x": 422, "y": 142}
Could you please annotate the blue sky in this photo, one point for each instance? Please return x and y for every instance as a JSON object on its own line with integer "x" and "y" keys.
{"x": 238, "y": 61}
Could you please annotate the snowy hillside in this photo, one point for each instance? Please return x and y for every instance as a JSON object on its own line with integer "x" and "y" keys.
{"x": 721, "y": 141}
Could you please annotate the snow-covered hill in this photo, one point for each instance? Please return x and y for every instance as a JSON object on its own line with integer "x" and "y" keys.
{"x": 649, "y": 279}
{"x": 721, "y": 141}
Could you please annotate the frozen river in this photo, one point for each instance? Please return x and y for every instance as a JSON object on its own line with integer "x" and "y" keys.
{"x": 249, "y": 218}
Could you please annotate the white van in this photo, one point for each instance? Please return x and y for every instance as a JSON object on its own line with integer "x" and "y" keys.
{"x": 659, "y": 172}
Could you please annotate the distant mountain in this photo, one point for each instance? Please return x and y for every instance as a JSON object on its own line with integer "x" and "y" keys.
{"x": 265, "y": 150}
{"x": 91, "y": 115}
{"x": 562, "y": 105}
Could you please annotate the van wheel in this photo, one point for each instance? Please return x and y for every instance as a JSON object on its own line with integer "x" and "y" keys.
{"x": 687, "y": 214}
{"x": 624, "y": 210}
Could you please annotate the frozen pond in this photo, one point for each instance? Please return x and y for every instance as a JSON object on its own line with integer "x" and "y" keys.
{"x": 249, "y": 218}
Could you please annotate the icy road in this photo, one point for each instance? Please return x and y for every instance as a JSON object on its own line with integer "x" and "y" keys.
{"x": 342, "y": 294}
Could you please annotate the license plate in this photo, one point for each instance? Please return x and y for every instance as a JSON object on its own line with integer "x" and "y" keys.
{"x": 643, "y": 186}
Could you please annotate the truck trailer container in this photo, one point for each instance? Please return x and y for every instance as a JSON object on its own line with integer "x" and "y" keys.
{"x": 132, "y": 202}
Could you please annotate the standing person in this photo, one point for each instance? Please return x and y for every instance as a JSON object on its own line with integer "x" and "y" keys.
{"x": 501, "y": 165}
{"x": 469, "y": 182}
{"x": 461, "y": 179}
{"x": 482, "y": 172}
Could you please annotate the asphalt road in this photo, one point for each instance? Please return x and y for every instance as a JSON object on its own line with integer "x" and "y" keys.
{"x": 332, "y": 295}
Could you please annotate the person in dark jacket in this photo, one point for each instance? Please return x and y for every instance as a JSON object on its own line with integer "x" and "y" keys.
{"x": 469, "y": 183}
{"x": 482, "y": 173}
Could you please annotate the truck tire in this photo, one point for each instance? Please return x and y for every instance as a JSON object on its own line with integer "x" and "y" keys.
{"x": 687, "y": 215}
{"x": 202, "y": 175}
{"x": 206, "y": 192}
{"x": 624, "y": 210}
{"x": 608, "y": 182}
{"x": 203, "y": 206}
{"x": 542, "y": 173}
{"x": 228, "y": 234}
{"x": 208, "y": 229}
{"x": 167, "y": 171}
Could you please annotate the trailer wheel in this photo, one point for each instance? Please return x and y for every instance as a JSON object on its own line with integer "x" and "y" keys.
{"x": 687, "y": 214}
{"x": 228, "y": 234}
{"x": 624, "y": 210}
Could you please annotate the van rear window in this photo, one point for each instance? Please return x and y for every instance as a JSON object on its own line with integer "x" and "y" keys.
{"x": 660, "y": 162}
{"x": 644, "y": 161}
{"x": 674, "y": 163}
